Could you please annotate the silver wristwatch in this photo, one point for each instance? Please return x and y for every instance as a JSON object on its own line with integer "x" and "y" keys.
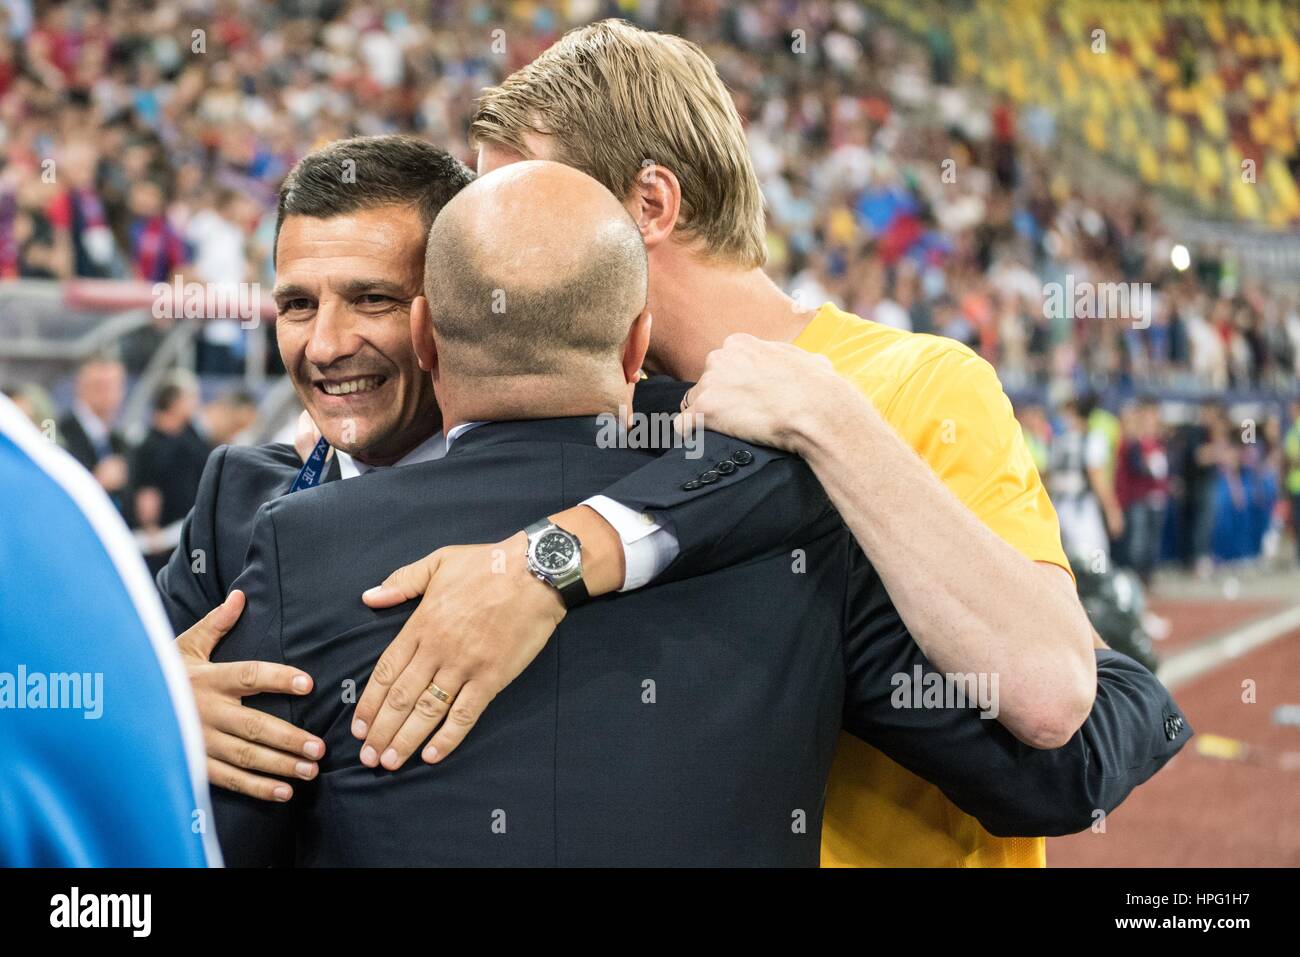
{"x": 555, "y": 556}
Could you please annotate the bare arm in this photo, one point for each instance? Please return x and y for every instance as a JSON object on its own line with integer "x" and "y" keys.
{"x": 1104, "y": 489}
{"x": 972, "y": 602}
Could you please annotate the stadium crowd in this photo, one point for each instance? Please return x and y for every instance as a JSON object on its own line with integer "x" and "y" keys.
{"x": 1136, "y": 489}
{"x": 1195, "y": 97}
{"x": 142, "y": 140}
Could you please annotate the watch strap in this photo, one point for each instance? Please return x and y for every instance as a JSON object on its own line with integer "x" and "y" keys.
{"x": 573, "y": 592}
{"x": 570, "y": 584}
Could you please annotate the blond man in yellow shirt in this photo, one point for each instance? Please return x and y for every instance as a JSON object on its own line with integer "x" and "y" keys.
{"x": 945, "y": 404}
{"x": 911, "y": 436}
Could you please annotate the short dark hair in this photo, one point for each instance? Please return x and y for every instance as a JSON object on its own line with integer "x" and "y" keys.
{"x": 368, "y": 171}
{"x": 238, "y": 398}
{"x": 165, "y": 396}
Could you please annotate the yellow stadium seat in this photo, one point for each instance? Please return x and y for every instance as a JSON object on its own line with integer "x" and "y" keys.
{"x": 1094, "y": 133}
{"x": 1128, "y": 132}
{"x": 1255, "y": 86}
{"x": 1148, "y": 163}
{"x": 1208, "y": 165}
{"x": 1260, "y": 128}
{"x": 1176, "y": 135}
{"x": 1135, "y": 101}
{"x": 1213, "y": 120}
{"x": 1245, "y": 200}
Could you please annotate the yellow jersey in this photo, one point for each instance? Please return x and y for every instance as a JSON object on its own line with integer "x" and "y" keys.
{"x": 947, "y": 404}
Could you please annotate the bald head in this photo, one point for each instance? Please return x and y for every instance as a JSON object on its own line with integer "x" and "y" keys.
{"x": 534, "y": 270}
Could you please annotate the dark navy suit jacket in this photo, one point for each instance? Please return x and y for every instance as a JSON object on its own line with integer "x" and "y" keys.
{"x": 689, "y": 723}
{"x": 238, "y": 480}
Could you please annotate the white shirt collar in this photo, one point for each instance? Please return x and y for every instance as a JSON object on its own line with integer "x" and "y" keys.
{"x": 434, "y": 447}
{"x": 458, "y": 430}
{"x": 91, "y": 424}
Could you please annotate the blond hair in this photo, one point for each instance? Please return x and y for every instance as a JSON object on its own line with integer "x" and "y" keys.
{"x": 615, "y": 98}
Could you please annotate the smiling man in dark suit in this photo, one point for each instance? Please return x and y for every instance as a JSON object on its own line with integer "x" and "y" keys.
{"x": 691, "y": 722}
{"x": 350, "y": 261}
{"x": 355, "y": 255}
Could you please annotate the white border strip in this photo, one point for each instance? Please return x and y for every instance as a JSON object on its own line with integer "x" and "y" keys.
{"x": 1191, "y": 664}
{"x": 86, "y": 494}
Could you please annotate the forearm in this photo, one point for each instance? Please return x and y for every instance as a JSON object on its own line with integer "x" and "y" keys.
{"x": 602, "y": 551}
{"x": 1102, "y": 488}
{"x": 971, "y": 601}
{"x": 666, "y": 535}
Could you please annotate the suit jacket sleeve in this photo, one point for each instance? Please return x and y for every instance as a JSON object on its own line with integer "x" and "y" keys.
{"x": 188, "y": 582}
{"x": 255, "y": 833}
{"x": 74, "y": 440}
{"x": 739, "y": 512}
{"x": 1134, "y": 728}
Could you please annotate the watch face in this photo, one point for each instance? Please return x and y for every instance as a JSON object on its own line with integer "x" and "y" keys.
{"x": 554, "y": 552}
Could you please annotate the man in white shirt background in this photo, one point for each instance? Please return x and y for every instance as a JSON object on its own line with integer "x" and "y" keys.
{"x": 217, "y": 233}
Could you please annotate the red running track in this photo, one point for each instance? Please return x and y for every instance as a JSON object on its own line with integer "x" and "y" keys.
{"x": 1202, "y": 811}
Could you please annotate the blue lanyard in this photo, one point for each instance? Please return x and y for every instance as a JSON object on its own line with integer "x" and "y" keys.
{"x": 313, "y": 470}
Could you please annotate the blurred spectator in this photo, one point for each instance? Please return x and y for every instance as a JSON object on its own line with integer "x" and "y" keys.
{"x": 88, "y": 432}
{"x": 1038, "y": 434}
{"x": 1292, "y": 466}
{"x": 217, "y": 234}
{"x": 1266, "y": 459}
{"x": 1225, "y": 497}
{"x": 35, "y": 403}
{"x": 167, "y": 467}
{"x": 229, "y": 417}
{"x": 1142, "y": 485}
{"x": 1208, "y": 445}
{"x": 1104, "y": 436}
{"x": 157, "y": 250}
{"x": 78, "y": 216}
{"x": 1240, "y": 496}
{"x": 1077, "y": 466}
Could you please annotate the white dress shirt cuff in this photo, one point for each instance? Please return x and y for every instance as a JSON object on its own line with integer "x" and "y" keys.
{"x": 648, "y": 547}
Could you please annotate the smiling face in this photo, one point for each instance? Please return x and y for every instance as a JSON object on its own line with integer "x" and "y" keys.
{"x": 343, "y": 295}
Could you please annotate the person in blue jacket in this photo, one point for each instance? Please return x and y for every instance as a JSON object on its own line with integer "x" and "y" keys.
{"x": 101, "y": 758}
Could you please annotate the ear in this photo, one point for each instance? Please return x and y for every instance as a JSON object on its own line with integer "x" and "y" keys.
{"x": 635, "y": 346}
{"x": 655, "y": 201}
{"x": 426, "y": 351}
